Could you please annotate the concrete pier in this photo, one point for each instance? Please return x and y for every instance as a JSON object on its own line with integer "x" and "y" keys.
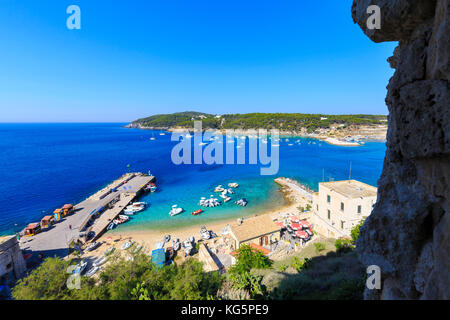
{"x": 56, "y": 240}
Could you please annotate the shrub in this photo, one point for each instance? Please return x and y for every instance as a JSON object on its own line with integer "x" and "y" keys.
{"x": 301, "y": 264}
{"x": 319, "y": 246}
{"x": 343, "y": 245}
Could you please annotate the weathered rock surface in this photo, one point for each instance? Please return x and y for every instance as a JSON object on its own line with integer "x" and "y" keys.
{"x": 408, "y": 232}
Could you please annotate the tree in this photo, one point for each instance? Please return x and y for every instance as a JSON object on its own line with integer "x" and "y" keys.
{"x": 355, "y": 231}
{"x": 248, "y": 258}
{"x": 48, "y": 281}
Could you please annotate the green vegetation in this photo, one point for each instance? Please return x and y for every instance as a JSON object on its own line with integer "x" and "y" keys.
{"x": 319, "y": 247}
{"x": 281, "y": 121}
{"x": 328, "y": 269}
{"x": 120, "y": 280}
{"x": 241, "y": 276}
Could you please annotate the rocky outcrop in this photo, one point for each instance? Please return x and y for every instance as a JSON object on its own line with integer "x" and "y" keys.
{"x": 407, "y": 234}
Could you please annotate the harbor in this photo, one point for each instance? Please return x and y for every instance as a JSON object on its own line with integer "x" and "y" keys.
{"x": 91, "y": 216}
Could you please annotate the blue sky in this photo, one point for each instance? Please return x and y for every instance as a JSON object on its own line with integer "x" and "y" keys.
{"x": 137, "y": 58}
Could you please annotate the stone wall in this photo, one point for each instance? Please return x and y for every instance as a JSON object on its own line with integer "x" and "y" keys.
{"x": 407, "y": 234}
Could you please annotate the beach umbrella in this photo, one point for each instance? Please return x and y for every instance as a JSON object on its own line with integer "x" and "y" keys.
{"x": 305, "y": 224}
{"x": 296, "y": 226}
{"x": 301, "y": 234}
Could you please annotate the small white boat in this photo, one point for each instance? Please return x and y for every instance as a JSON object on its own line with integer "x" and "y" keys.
{"x": 109, "y": 251}
{"x": 124, "y": 217}
{"x": 79, "y": 268}
{"x": 176, "y": 244}
{"x": 205, "y": 234}
{"x": 111, "y": 226}
{"x": 162, "y": 134}
{"x": 92, "y": 271}
{"x": 233, "y": 185}
{"x": 175, "y": 210}
{"x": 137, "y": 249}
{"x": 100, "y": 261}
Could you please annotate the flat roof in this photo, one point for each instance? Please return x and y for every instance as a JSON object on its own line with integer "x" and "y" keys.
{"x": 351, "y": 188}
{"x": 5, "y": 238}
{"x": 254, "y": 227}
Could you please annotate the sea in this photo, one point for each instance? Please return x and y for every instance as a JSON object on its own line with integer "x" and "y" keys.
{"x": 44, "y": 166}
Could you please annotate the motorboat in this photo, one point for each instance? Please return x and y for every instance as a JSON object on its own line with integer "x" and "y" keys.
{"x": 100, "y": 261}
{"x": 126, "y": 245}
{"x": 117, "y": 221}
{"x": 170, "y": 253}
{"x": 175, "y": 210}
{"x": 196, "y": 212}
{"x": 109, "y": 251}
{"x": 204, "y": 233}
{"x": 219, "y": 188}
{"x": 242, "y": 202}
{"x": 111, "y": 226}
{"x": 226, "y": 199}
{"x": 80, "y": 267}
{"x": 124, "y": 217}
{"x": 230, "y": 191}
{"x": 92, "y": 271}
{"x": 93, "y": 246}
{"x": 176, "y": 244}
{"x": 233, "y": 185}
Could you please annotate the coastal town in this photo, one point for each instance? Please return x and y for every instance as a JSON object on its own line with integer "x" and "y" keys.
{"x": 82, "y": 229}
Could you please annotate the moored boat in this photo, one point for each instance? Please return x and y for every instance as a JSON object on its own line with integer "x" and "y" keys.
{"x": 196, "y": 212}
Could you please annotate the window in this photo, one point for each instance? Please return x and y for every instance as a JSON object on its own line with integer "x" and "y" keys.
{"x": 342, "y": 224}
{"x": 329, "y": 214}
{"x": 359, "y": 209}
{"x": 342, "y": 206}
{"x": 328, "y": 199}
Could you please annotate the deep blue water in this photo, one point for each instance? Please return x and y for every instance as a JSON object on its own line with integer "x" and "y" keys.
{"x": 43, "y": 166}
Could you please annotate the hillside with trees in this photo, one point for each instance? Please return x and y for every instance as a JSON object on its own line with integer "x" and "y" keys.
{"x": 293, "y": 122}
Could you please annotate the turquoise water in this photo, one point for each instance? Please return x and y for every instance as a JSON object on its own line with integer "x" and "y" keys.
{"x": 44, "y": 166}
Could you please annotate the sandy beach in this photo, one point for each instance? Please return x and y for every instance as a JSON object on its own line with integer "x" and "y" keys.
{"x": 149, "y": 238}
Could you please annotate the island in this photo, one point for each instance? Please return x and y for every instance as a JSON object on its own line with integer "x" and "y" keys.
{"x": 342, "y": 130}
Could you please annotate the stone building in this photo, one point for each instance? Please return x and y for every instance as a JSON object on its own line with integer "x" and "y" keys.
{"x": 260, "y": 230}
{"x": 12, "y": 263}
{"x": 340, "y": 205}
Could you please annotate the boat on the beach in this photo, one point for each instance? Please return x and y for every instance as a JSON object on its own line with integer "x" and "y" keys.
{"x": 175, "y": 210}
{"x": 204, "y": 233}
{"x": 80, "y": 267}
{"x": 100, "y": 261}
{"x": 126, "y": 245}
{"x": 137, "y": 249}
{"x": 109, "y": 251}
{"x": 176, "y": 244}
{"x": 196, "y": 212}
{"x": 92, "y": 271}
{"x": 166, "y": 238}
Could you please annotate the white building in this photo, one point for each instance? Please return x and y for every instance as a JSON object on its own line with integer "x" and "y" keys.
{"x": 340, "y": 205}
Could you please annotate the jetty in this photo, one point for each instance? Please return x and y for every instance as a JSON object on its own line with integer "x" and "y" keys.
{"x": 89, "y": 216}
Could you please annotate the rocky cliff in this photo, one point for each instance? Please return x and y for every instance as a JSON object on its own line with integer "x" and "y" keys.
{"x": 408, "y": 233}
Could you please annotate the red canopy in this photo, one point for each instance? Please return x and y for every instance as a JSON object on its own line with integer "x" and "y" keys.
{"x": 280, "y": 224}
{"x": 301, "y": 234}
{"x": 305, "y": 224}
{"x": 296, "y": 226}
{"x": 294, "y": 219}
